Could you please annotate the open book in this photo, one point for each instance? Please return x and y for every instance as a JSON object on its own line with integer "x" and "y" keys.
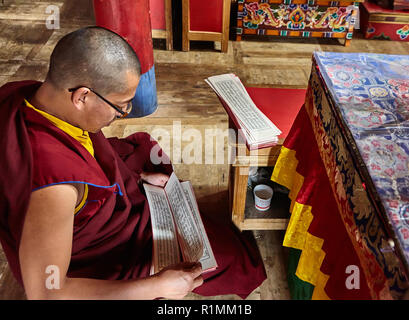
{"x": 177, "y": 226}
{"x": 258, "y": 130}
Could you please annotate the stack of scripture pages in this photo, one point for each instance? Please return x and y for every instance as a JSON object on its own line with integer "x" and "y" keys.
{"x": 257, "y": 129}
{"x": 177, "y": 226}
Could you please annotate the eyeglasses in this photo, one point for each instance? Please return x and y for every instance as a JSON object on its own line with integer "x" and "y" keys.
{"x": 123, "y": 113}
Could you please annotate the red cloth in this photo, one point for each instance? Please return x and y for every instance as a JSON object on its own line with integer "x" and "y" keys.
{"x": 280, "y": 105}
{"x": 327, "y": 223}
{"x": 112, "y": 237}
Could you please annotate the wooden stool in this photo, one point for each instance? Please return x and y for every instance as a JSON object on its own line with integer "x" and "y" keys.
{"x": 281, "y": 106}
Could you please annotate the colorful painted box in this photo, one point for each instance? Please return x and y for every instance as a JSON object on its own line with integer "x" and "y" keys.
{"x": 297, "y": 18}
{"x": 387, "y": 24}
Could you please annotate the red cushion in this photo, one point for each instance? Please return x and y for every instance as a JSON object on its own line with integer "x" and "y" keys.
{"x": 281, "y": 106}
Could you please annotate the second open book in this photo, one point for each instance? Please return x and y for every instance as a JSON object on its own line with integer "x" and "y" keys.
{"x": 178, "y": 231}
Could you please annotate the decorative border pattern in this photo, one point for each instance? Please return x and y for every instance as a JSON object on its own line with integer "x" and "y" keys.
{"x": 309, "y": 19}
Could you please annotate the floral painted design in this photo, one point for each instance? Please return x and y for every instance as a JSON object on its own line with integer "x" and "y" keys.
{"x": 403, "y": 32}
{"x": 296, "y": 17}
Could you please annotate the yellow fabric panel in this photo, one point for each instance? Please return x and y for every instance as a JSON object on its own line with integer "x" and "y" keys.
{"x": 84, "y": 198}
{"x": 284, "y": 169}
{"x": 319, "y": 292}
{"x": 297, "y": 235}
{"x": 300, "y": 220}
{"x": 311, "y": 259}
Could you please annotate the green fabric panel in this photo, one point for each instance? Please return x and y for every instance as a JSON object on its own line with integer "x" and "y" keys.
{"x": 299, "y": 289}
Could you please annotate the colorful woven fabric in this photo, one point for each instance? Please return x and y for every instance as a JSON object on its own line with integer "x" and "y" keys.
{"x": 356, "y": 109}
{"x": 371, "y": 93}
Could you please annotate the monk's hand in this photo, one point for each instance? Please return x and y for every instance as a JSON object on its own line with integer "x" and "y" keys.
{"x": 155, "y": 178}
{"x": 178, "y": 280}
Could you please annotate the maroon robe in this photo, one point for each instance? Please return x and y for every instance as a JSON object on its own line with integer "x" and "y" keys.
{"x": 112, "y": 236}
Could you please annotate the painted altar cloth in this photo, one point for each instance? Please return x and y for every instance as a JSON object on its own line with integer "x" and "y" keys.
{"x": 371, "y": 98}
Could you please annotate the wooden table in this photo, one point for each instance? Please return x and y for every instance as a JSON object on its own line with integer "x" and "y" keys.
{"x": 244, "y": 214}
{"x": 345, "y": 161}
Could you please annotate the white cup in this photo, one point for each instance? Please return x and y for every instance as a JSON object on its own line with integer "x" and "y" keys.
{"x": 262, "y": 197}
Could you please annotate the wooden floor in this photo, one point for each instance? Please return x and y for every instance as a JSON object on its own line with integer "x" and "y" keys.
{"x": 183, "y": 96}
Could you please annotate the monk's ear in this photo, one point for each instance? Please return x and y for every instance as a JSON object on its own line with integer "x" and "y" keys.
{"x": 79, "y": 97}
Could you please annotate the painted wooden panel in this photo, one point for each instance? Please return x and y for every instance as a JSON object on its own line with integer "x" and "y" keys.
{"x": 206, "y": 15}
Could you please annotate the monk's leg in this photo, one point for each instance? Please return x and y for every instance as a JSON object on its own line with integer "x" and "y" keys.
{"x": 240, "y": 266}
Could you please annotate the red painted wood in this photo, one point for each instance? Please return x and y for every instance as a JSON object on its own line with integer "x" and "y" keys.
{"x": 206, "y": 15}
{"x": 157, "y": 11}
{"x": 131, "y": 20}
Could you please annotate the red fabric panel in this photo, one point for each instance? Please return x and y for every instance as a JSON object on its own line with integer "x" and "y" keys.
{"x": 157, "y": 10}
{"x": 327, "y": 223}
{"x": 131, "y": 20}
{"x": 279, "y": 105}
{"x": 206, "y": 15}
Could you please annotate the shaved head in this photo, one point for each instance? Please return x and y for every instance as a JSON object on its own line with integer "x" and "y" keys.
{"x": 93, "y": 57}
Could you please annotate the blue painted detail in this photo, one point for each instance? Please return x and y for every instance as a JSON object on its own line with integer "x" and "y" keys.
{"x": 145, "y": 101}
{"x": 90, "y": 184}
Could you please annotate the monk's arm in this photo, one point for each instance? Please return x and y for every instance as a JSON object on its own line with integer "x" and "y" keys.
{"x": 45, "y": 253}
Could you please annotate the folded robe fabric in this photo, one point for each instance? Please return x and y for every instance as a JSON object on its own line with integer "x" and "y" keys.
{"x": 112, "y": 236}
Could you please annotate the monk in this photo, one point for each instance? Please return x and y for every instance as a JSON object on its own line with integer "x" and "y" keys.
{"x": 74, "y": 221}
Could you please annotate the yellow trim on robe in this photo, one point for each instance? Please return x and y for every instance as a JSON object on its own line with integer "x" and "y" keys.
{"x": 78, "y": 134}
{"x": 297, "y": 235}
{"x": 84, "y": 199}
